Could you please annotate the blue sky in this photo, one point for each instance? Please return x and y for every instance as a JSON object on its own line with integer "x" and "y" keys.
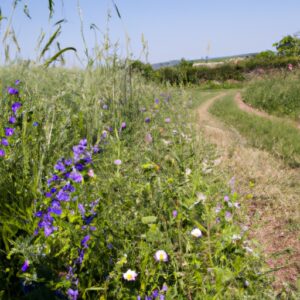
{"x": 173, "y": 29}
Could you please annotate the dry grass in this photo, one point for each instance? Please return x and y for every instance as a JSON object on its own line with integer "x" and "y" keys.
{"x": 270, "y": 192}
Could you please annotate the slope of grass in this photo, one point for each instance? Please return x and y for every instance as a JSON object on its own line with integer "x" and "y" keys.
{"x": 277, "y": 137}
{"x": 277, "y": 94}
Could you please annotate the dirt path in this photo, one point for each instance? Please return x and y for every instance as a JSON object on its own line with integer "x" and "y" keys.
{"x": 247, "y": 108}
{"x": 273, "y": 207}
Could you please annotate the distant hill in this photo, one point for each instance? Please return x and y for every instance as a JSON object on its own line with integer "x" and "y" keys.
{"x": 173, "y": 63}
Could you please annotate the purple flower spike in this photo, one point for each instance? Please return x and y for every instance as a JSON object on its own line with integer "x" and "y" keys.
{"x": 12, "y": 120}
{"x": 25, "y": 266}
{"x": 12, "y": 91}
{"x": 15, "y": 106}
{"x": 9, "y": 131}
{"x": 73, "y": 294}
{"x": 85, "y": 240}
{"x": 2, "y": 152}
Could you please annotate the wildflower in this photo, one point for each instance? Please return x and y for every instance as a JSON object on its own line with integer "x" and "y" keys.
{"x": 104, "y": 134}
{"x": 73, "y": 294}
{"x": 25, "y": 266}
{"x": 118, "y": 162}
{"x": 12, "y": 120}
{"x": 17, "y": 82}
{"x": 156, "y": 101}
{"x": 164, "y": 288}
{"x": 9, "y": 131}
{"x": 91, "y": 173}
{"x": 4, "y": 142}
{"x": 174, "y": 213}
{"x": 147, "y": 120}
{"x": 161, "y": 255}
{"x": 75, "y": 176}
{"x": 196, "y": 232}
{"x": 60, "y": 166}
{"x": 123, "y": 125}
{"x": 105, "y": 106}
{"x": 12, "y": 91}
{"x": 236, "y": 237}
{"x": 155, "y": 293}
{"x": 2, "y": 152}
{"x": 148, "y": 138}
{"x": 188, "y": 172}
{"x": 35, "y": 124}
{"x": 226, "y": 198}
{"x": 237, "y": 205}
{"x": 130, "y": 275}
{"x": 63, "y": 196}
{"x": 81, "y": 209}
{"x": 167, "y": 120}
{"x": 218, "y": 208}
{"x": 85, "y": 240}
{"x": 15, "y": 106}
{"x": 228, "y": 216}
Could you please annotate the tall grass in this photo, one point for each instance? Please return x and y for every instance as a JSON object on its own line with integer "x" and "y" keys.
{"x": 277, "y": 94}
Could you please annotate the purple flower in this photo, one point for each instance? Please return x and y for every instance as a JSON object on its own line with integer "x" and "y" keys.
{"x": 53, "y": 190}
{"x": 81, "y": 209}
{"x": 75, "y": 176}
{"x": 164, "y": 288}
{"x": 68, "y": 162}
{"x": 174, "y": 213}
{"x": 39, "y": 214}
{"x": 85, "y": 240}
{"x": 228, "y": 216}
{"x": 226, "y": 198}
{"x": 17, "y": 82}
{"x": 118, "y": 162}
{"x": 12, "y": 120}
{"x": 147, "y": 120}
{"x": 4, "y": 142}
{"x": 155, "y": 293}
{"x": 55, "y": 207}
{"x": 69, "y": 187}
{"x": 9, "y": 131}
{"x": 35, "y": 124}
{"x": 12, "y": 91}
{"x": 63, "y": 196}
{"x": 79, "y": 167}
{"x": 2, "y": 152}
{"x": 73, "y": 294}
{"x": 25, "y": 266}
{"x": 60, "y": 166}
{"x": 15, "y": 106}
{"x": 105, "y": 106}
{"x": 167, "y": 120}
{"x": 156, "y": 101}
{"x": 123, "y": 125}
{"x": 48, "y": 195}
{"x": 53, "y": 178}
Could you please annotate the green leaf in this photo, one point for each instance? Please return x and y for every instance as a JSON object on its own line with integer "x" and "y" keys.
{"x": 50, "y": 41}
{"x": 58, "y": 54}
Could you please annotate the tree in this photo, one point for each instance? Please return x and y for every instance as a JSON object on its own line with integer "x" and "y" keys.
{"x": 288, "y": 46}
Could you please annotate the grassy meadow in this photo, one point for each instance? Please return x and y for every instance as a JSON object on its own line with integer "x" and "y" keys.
{"x": 106, "y": 193}
{"x": 275, "y": 136}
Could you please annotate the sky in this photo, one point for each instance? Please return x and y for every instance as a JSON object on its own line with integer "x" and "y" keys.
{"x": 172, "y": 29}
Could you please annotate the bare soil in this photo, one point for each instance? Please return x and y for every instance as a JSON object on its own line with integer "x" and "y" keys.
{"x": 270, "y": 193}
